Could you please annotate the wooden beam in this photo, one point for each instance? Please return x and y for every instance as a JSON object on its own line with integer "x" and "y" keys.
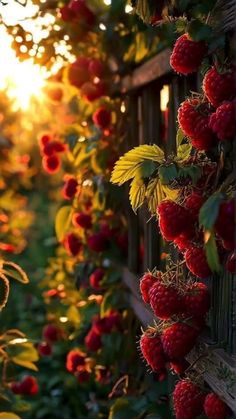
{"x": 154, "y": 68}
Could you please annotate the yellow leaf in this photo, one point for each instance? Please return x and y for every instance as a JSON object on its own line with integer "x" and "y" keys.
{"x": 73, "y": 315}
{"x": 62, "y": 222}
{"x": 4, "y": 290}
{"x": 23, "y": 354}
{"x": 137, "y": 193}
{"x": 8, "y": 415}
{"x": 26, "y": 364}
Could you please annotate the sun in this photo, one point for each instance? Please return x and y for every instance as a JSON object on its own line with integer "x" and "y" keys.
{"x": 21, "y": 80}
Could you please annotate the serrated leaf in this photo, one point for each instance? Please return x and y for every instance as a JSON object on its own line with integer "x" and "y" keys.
{"x": 4, "y": 291}
{"x": 128, "y": 165}
{"x": 9, "y": 415}
{"x": 14, "y": 271}
{"x": 153, "y": 194}
{"x": 62, "y": 222}
{"x": 167, "y": 174}
{"x": 169, "y": 193}
{"x": 179, "y": 137}
{"x": 212, "y": 252}
{"x": 137, "y": 193}
{"x": 210, "y": 210}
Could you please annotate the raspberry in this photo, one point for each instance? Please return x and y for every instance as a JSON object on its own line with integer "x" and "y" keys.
{"x": 108, "y": 323}
{"x": 82, "y": 375}
{"x": 194, "y": 202}
{"x": 174, "y": 219}
{"x": 75, "y": 359}
{"x": 82, "y": 220}
{"x": 44, "y": 139}
{"x": 51, "y": 164}
{"x": 215, "y": 408}
{"x": 48, "y": 149}
{"x": 195, "y": 123}
{"x": 228, "y": 244}
{"x": 59, "y": 147}
{"x": 84, "y": 14}
{"x": 91, "y": 91}
{"x": 219, "y": 87}
{"x": 70, "y": 188}
{"x": 97, "y": 242}
{"x": 231, "y": 263}
{"x": 66, "y": 14}
{"x": 44, "y": 349}
{"x": 29, "y": 386}
{"x": 96, "y": 277}
{"x": 146, "y": 283}
{"x": 179, "y": 367}
{"x": 93, "y": 340}
{"x": 178, "y": 340}
{"x": 165, "y": 300}
{"x": 72, "y": 244}
{"x": 96, "y": 68}
{"x": 223, "y": 122}
{"x": 196, "y": 262}
{"x": 78, "y": 72}
{"x": 182, "y": 243}
{"x": 188, "y": 400}
{"x": 225, "y": 222}
{"x": 187, "y": 55}
{"x": 197, "y": 300}
{"x": 51, "y": 333}
{"x": 152, "y": 351}
{"x": 102, "y": 118}
{"x": 15, "y": 387}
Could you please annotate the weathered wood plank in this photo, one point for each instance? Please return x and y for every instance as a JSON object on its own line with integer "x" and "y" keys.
{"x": 156, "y": 67}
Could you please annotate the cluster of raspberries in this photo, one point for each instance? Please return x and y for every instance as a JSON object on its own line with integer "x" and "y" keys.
{"x": 50, "y": 150}
{"x": 208, "y": 120}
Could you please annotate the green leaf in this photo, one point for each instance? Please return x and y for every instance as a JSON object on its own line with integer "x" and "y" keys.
{"x": 193, "y": 171}
{"x": 14, "y": 271}
{"x": 122, "y": 409}
{"x": 147, "y": 168}
{"x": 212, "y": 252}
{"x": 167, "y": 174}
{"x": 137, "y": 193}
{"x": 128, "y": 165}
{"x": 209, "y": 211}
{"x": 199, "y": 31}
{"x": 62, "y": 222}
{"x": 179, "y": 137}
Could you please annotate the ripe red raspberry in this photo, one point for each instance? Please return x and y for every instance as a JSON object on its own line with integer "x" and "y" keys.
{"x": 187, "y": 55}
{"x": 182, "y": 243}
{"x": 152, "y": 351}
{"x": 59, "y": 147}
{"x": 48, "y": 149}
{"x": 196, "y": 262}
{"x": 174, "y": 219}
{"x": 193, "y": 119}
{"x": 146, "y": 283}
{"x": 78, "y": 73}
{"x": 96, "y": 68}
{"x": 223, "y": 121}
{"x": 44, "y": 139}
{"x": 92, "y": 92}
{"x": 83, "y": 14}
{"x": 44, "y": 349}
{"x": 215, "y": 408}
{"x": 102, "y": 117}
{"x": 197, "y": 300}
{"x": 75, "y": 359}
{"x": 179, "y": 367}
{"x": 51, "y": 164}
{"x": 66, "y": 14}
{"x": 93, "y": 340}
{"x": 165, "y": 300}
{"x": 97, "y": 242}
{"x": 96, "y": 277}
{"x": 72, "y": 244}
{"x": 29, "y": 386}
{"x": 70, "y": 188}
{"x": 188, "y": 400}
{"x": 228, "y": 244}
{"x": 231, "y": 263}
{"x": 82, "y": 375}
{"x": 194, "y": 202}
{"x": 178, "y": 340}
{"x": 111, "y": 321}
{"x": 225, "y": 223}
{"x": 15, "y": 387}
{"x": 82, "y": 220}
{"x": 51, "y": 333}
{"x": 219, "y": 87}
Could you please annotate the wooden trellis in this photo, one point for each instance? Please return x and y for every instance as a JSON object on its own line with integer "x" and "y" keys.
{"x": 143, "y": 91}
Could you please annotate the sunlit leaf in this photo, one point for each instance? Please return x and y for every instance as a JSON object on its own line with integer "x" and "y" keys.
{"x": 137, "y": 193}
{"x": 62, "y": 222}
{"x": 73, "y": 315}
{"x": 9, "y": 415}
{"x": 4, "y": 290}
{"x": 209, "y": 211}
{"x": 153, "y": 194}
{"x": 23, "y": 354}
{"x": 14, "y": 271}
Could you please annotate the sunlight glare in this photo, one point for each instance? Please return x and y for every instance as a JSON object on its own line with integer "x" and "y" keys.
{"x": 21, "y": 80}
